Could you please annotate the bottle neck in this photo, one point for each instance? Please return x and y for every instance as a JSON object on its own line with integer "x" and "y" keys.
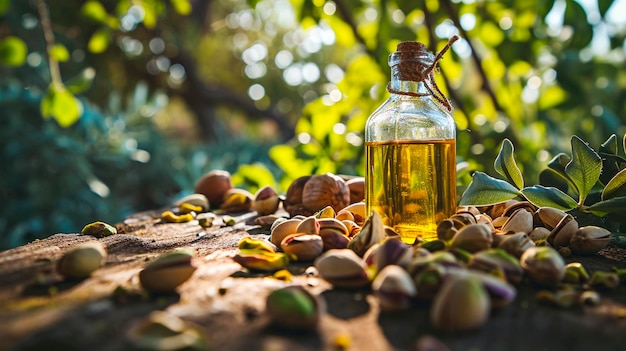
{"x": 400, "y": 86}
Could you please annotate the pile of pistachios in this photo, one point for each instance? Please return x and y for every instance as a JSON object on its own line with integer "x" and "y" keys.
{"x": 480, "y": 258}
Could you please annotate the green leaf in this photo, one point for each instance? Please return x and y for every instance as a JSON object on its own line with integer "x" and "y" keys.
{"x": 99, "y": 41}
{"x": 13, "y": 51}
{"x": 558, "y": 163}
{"x": 604, "y": 5}
{"x": 61, "y": 105}
{"x": 182, "y": 7}
{"x": 614, "y": 205}
{"x": 59, "y": 53}
{"x": 584, "y": 169}
{"x": 610, "y": 160}
{"x": 542, "y": 196}
{"x": 95, "y": 11}
{"x": 505, "y": 165}
{"x": 616, "y": 187}
{"x": 576, "y": 17}
{"x": 486, "y": 190}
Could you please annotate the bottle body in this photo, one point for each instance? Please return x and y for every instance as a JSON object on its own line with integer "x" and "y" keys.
{"x": 410, "y": 176}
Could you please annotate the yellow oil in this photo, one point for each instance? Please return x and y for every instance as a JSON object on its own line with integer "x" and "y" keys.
{"x": 411, "y": 184}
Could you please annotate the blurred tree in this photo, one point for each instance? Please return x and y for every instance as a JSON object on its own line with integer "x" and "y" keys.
{"x": 214, "y": 84}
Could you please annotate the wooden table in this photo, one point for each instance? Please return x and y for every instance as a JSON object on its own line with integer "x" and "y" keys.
{"x": 227, "y": 303}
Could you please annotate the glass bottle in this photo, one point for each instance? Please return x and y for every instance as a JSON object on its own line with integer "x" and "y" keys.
{"x": 410, "y": 148}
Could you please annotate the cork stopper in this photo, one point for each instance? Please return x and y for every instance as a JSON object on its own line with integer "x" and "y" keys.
{"x": 411, "y": 61}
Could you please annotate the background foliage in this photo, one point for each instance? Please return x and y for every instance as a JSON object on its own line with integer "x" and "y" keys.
{"x": 115, "y": 106}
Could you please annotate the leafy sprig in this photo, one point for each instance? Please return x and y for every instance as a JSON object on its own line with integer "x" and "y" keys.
{"x": 587, "y": 180}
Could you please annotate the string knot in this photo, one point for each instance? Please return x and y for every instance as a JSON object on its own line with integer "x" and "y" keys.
{"x": 414, "y": 63}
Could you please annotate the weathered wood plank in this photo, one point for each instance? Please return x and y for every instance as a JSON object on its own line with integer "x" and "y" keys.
{"x": 227, "y": 303}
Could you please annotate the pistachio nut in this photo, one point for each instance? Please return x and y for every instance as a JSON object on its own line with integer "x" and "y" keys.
{"x": 589, "y": 298}
{"x": 520, "y": 221}
{"x": 497, "y": 260}
{"x": 515, "y": 244}
{"x": 604, "y": 280}
{"x": 303, "y": 247}
{"x": 237, "y": 200}
{"x": 294, "y": 308}
{"x": 549, "y": 216}
{"x": 372, "y": 232}
{"x": 334, "y": 239}
{"x": 309, "y": 225}
{"x": 539, "y": 234}
{"x": 282, "y": 229}
{"x": 342, "y": 268}
{"x": 501, "y": 293}
{"x": 473, "y": 238}
{"x": 428, "y": 280}
{"x": 358, "y": 212}
{"x": 266, "y": 201}
{"x": 589, "y": 239}
{"x": 356, "y": 186}
{"x": 444, "y": 258}
{"x": 447, "y": 229}
{"x": 82, "y": 260}
{"x": 99, "y": 229}
{"x": 575, "y": 273}
{"x": 206, "y": 219}
{"x": 344, "y": 215}
{"x": 189, "y": 208}
{"x": 267, "y": 221}
{"x": 171, "y": 217}
{"x": 461, "y": 304}
{"x": 250, "y": 243}
{"x": 332, "y": 224}
{"x": 164, "y": 331}
{"x": 195, "y": 200}
{"x": 564, "y": 231}
{"x": 497, "y": 210}
{"x": 261, "y": 260}
{"x": 168, "y": 271}
{"x": 471, "y": 209}
{"x": 464, "y": 218}
{"x": 326, "y": 212}
{"x": 544, "y": 265}
{"x": 391, "y": 251}
{"x": 394, "y": 288}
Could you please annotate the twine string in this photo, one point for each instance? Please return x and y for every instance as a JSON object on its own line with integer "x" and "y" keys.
{"x": 419, "y": 72}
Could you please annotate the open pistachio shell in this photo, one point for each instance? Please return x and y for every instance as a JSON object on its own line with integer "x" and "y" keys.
{"x": 394, "y": 288}
{"x": 590, "y": 239}
{"x": 99, "y": 229}
{"x": 473, "y": 238}
{"x": 303, "y": 247}
{"x": 372, "y": 232}
{"x": 342, "y": 268}
{"x": 195, "y": 200}
{"x": 282, "y": 229}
